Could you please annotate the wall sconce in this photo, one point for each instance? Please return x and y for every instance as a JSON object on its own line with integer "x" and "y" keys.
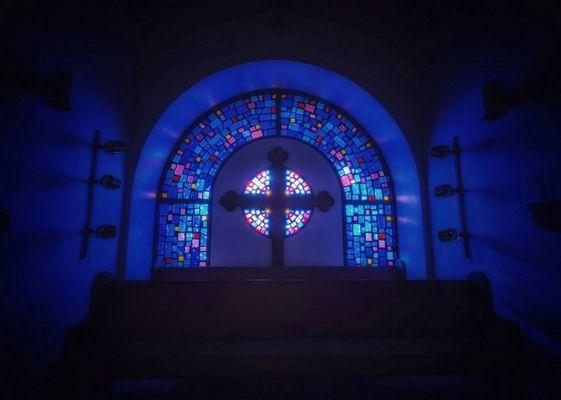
{"x": 105, "y": 232}
{"x": 441, "y": 151}
{"x": 449, "y": 235}
{"x": 101, "y": 232}
{"x": 107, "y": 181}
{"x": 445, "y": 190}
{"x": 113, "y": 147}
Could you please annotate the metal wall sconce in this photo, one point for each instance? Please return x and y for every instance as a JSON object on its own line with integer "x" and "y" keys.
{"x": 113, "y": 147}
{"x": 441, "y": 151}
{"x": 447, "y": 190}
{"x": 103, "y": 232}
{"x": 106, "y": 232}
{"x": 449, "y": 235}
{"x": 108, "y": 182}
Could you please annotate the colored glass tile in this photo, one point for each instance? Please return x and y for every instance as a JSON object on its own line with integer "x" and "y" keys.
{"x": 341, "y": 141}
{"x": 198, "y": 156}
{"x": 295, "y": 184}
{"x": 260, "y": 184}
{"x": 182, "y": 232}
{"x": 259, "y": 220}
{"x": 370, "y": 235}
{"x": 295, "y": 220}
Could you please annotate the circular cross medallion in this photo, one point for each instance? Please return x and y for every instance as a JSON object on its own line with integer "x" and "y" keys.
{"x": 294, "y": 186}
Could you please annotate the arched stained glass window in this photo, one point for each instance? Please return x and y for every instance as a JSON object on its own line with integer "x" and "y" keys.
{"x": 184, "y": 196}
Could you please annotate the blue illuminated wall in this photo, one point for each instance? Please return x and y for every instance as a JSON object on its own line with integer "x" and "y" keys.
{"x": 45, "y": 159}
{"x": 156, "y": 83}
{"x": 521, "y": 260}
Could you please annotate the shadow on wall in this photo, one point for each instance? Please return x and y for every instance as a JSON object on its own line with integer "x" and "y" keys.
{"x": 520, "y": 259}
{"x": 45, "y": 159}
{"x": 518, "y": 285}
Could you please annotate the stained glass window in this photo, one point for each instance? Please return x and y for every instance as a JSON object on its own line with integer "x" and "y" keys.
{"x": 183, "y": 234}
{"x": 370, "y": 234}
{"x": 187, "y": 181}
{"x": 295, "y": 219}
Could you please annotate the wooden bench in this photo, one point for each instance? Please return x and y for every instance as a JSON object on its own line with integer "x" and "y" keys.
{"x": 288, "y": 328}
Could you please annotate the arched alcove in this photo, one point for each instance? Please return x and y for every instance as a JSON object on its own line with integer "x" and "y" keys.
{"x": 320, "y": 243}
{"x": 244, "y": 78}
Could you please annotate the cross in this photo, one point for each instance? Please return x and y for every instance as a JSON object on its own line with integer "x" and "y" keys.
{"x": 277, "y": 202}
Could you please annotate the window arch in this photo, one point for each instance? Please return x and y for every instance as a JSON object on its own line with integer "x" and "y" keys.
{"x": 185, "y": 188}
